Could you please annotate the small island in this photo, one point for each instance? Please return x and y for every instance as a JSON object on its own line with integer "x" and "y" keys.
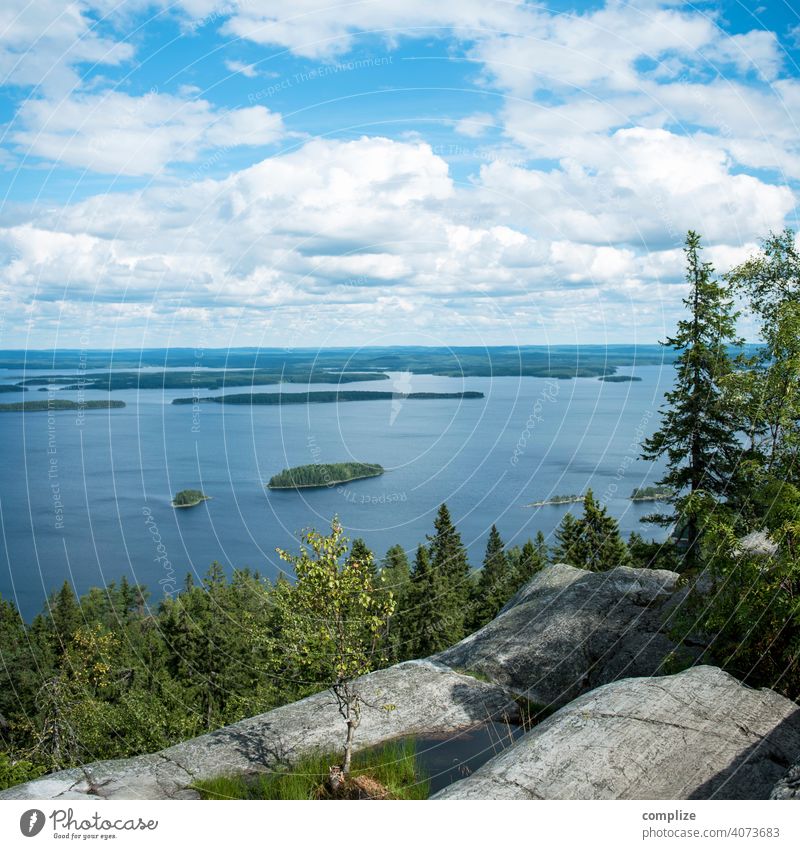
{"x": 54, "y": 405}
{"x": 189, "y": 498}
{"x": 558, "y": 499}
{"x": 323, "y": 474}
{"x": 619, "y": 378}
{"x": 652, "y": 493}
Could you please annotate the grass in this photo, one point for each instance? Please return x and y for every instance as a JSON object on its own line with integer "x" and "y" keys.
{"x": 393, "y": 764}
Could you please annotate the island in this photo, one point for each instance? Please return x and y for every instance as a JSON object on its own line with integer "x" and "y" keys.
{"x": 53, "y": 405}
{"x": 5, "y": 387}
{"x": 276, "y": 398}
{"x": 619, "y": 378}
{"x": 323, "y": 474}
{"x": 558, "y": 499}
{"x": 196, "y": 379}
{"x": 189, "y": 498}
{"x": 652, "y": 493}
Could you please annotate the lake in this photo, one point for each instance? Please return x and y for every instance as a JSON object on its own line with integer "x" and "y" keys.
{"x": 87, "y": 498}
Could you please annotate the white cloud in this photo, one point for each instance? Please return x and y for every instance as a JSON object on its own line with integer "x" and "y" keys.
{"x": 475, "y": 125}
{"x": 116, "y": 133}
{"x": 41, "y": 42}
{"x": 645, "y": 186}
{"x": 335, "y": 233}
{"x": 237, "y": 67}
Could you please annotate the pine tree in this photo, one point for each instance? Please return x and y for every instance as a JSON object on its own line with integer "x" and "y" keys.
{"x": 568, "y": 536}
{"x": 531, "y": 561}
{"x": 494, "y": 582}
{"x": 426, "y": 627}
{"x": 697, "y": 436}
{"x": 360, "y": 553}
{"x": 600, "y": 547}
{"x": 65, "y": 615}
{"x": 449, "y": 561}
{"x": 592, "y": 542}
{"x": 396, "y": 578}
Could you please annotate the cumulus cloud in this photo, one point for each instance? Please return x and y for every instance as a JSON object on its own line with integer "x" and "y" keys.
{"x": 300, "y": 244}
{"x": 119, "y": 134}
{"x": 42, "y": 42}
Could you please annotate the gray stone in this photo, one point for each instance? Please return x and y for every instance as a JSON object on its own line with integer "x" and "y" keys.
{"x": 570, "y": 630}
{"x": 789, "y": 786}
{"x": 697, "y": 735}
{"x": 420, "y": 697}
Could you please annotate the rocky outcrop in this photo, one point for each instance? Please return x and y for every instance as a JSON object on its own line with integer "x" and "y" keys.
{"x": 697, "y": 735}
{"x": 570, "y": 630}
{"x": 789, "y": 786}
{"x": 419, "y": 697}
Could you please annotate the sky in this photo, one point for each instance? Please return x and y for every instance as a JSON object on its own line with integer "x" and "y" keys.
{"x": 309, "y": 173}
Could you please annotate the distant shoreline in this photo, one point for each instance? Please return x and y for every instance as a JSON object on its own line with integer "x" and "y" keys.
{"x": 274, "y": 399}
{"x": 57, "y": 405}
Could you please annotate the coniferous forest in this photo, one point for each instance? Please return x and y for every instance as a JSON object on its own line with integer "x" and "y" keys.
{"x": 118, "y": 671}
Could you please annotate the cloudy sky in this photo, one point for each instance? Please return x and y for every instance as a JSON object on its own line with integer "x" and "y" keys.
{"x": 318, "y": 172}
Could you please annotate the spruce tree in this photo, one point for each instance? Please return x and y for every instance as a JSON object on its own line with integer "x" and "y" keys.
{"x": 697, "y": 436}
{"x": 426, "y": 627}
{"x": 449, "y": 561}
{"x": 396, "y": 578}
{"x": 567, "y": 540}
{"x": 530, "y": 562}
{"x": 592, "y": 542}
{"x": 600, "y": 547}
{"x": 361, "y": 553}
{"x": 494, "y": 582}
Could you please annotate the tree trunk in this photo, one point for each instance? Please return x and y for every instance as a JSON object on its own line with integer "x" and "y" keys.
{"x": 348, "y": 747}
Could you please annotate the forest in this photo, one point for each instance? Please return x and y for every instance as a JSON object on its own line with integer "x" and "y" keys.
{"x": 323, "y": 474}
{"x": 118, "y": 672}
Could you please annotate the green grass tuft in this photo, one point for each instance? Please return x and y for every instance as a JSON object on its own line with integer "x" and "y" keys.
{"x": 393, "y": 764}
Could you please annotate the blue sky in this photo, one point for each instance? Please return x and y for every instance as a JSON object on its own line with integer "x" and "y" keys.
{"x": 300, "y": 172}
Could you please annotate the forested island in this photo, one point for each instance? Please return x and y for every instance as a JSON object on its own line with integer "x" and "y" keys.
{"x": 189, "y": 498}
{"x": 558, "y": 499}
{"x": 196, "y": 379}
{"x": 619, "y": 378}
{"x": 653, "y": 493}
{"x": 5, "y": 387}
{"x": 323, "y": 474}
{"x": 55, "y": 404}
{"x": 276, "y": 398}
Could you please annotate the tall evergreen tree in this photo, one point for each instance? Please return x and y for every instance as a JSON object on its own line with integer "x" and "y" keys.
{"x": 426, "y": 626}
{"x": 361, "y": 553}
{"x": 697, "y": 436}
{"x": 396, "y": 578}
{"x": 567, "y": 540}
{"x": 600, "y": 547}
{"x": 494, "y": 582}
{"x": 449, "y": 562}
{"x": 592, "y": 542}
{"x": 531, "y": 561}
{"x": 65, "y": 615}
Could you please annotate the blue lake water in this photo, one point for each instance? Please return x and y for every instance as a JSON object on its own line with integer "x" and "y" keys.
{"x": 86, "y": 499}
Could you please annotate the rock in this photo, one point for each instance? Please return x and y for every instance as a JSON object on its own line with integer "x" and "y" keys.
{"x": 697, "y": 735}
{"x": 789, "y": 786}
{"x": 570, "y": 630}
{"x": 427, "y": 698}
